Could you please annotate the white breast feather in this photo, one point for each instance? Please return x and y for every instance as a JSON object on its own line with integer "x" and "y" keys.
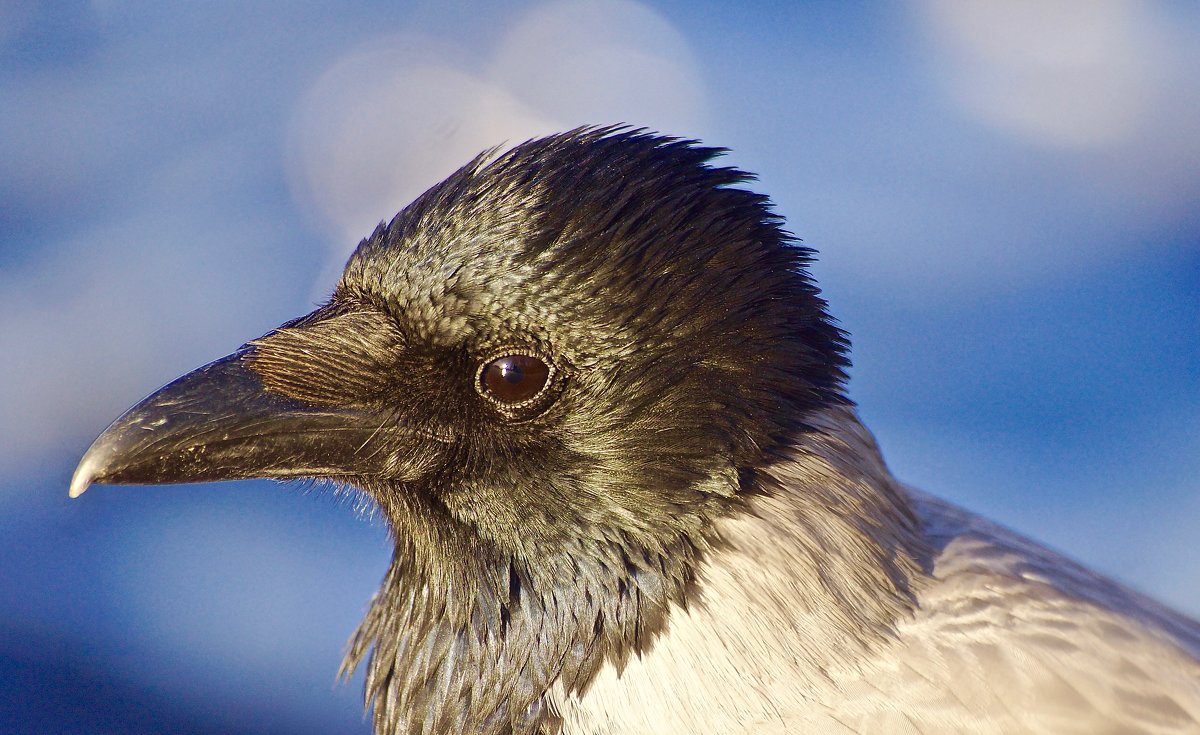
{"x": 1006, "y": 637}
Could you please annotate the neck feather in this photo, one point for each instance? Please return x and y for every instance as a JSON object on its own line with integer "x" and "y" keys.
{"x": 821, "y": 556}
{"x": 824, "y": 559}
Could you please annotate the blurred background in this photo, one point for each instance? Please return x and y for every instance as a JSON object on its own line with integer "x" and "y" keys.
{"x": 1004, "y": 197}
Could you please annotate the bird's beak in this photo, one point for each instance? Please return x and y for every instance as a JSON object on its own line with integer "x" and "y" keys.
{"x": 220, "y": 423}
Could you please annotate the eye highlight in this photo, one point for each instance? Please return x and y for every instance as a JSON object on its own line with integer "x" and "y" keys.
{"x": 514, "y": 379}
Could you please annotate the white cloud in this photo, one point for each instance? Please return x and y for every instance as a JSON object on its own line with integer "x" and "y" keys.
{"x": 387, "y": 122}
{"x": 1071, "y": 142}
{"x": 1084, "y": 73}
{"x": 401, "y": 112}
{"x": 1106, "y": 90}
{"x": 602, "y": 62}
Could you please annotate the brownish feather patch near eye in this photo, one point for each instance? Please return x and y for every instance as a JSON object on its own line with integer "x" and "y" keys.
{"x": 345, "y": 360}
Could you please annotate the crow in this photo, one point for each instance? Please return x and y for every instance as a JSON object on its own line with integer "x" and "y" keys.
{"x": 594, "y": 391}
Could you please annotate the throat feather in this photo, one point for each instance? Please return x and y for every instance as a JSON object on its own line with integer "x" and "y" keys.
{"x": 475, "y": 645}
{"x": 814, "y": 566}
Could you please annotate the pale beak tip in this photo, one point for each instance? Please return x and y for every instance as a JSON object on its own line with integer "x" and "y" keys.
{"x": 82, "y": 479}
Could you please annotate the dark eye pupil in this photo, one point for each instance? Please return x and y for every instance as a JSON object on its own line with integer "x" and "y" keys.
{"x": 514, "y": 378}
{"x": 512, "y": 373}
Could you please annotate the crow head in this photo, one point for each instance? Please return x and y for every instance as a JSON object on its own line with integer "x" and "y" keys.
{"x": 551, "y": 372}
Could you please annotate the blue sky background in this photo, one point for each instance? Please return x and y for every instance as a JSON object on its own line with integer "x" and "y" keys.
{"x": 1003, "y": 196}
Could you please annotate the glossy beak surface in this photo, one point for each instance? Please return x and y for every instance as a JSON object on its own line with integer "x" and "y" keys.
{"x": 220, "y": 423}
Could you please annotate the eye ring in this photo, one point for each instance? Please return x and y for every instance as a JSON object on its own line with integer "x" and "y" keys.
{"x": 514, "y": 379}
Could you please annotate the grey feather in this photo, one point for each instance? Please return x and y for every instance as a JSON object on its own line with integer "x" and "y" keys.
{"x": 1002, "y": 636}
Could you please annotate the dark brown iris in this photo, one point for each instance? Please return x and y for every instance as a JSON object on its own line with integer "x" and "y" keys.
{"x": 514, "y": 379}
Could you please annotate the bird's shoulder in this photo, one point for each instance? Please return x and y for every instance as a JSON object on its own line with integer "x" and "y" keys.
{"x": 1012, "y": 637}
{"x": 1001, "y": 635}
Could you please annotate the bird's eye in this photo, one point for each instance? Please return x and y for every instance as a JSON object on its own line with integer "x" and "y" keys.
{"x": 514, "y": 379}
